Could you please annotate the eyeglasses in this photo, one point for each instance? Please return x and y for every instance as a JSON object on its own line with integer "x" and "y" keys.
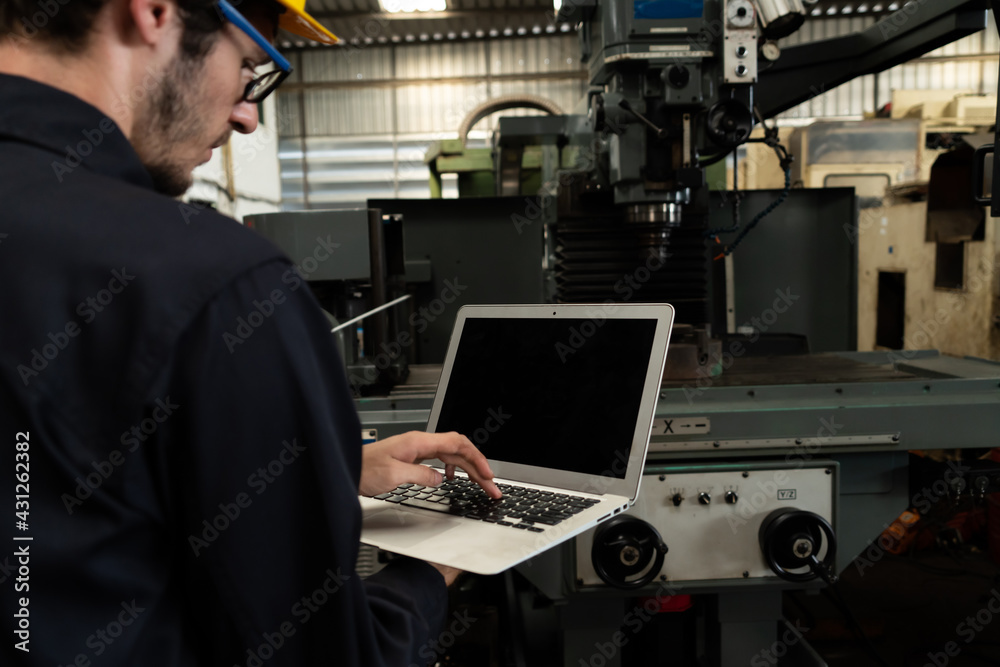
{"x": 266, "y": 83}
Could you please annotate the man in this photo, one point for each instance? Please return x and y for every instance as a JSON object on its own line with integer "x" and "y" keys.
{"x": 176, "y": 502}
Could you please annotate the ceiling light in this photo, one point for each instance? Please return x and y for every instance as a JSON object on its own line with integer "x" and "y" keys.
{"x": 410, "y": 6}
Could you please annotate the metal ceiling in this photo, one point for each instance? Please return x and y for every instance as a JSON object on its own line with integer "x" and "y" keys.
{"x": 360, "y": 22}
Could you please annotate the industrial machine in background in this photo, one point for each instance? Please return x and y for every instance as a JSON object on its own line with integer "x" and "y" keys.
{"x": 354, "y": 264}
{"x": 778, "y": 454}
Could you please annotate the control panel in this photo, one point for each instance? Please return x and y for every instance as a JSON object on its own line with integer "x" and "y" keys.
{"x": 740, "y": 47}
{"x": 724, "y": 522}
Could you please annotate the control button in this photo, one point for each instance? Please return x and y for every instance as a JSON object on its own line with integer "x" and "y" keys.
{"x": 741, "y": 52}
{"x": 677, "y": 499}
{"x": 731, "y": 497}
{"x": 704, "y": 498}
{"x": 741, "y": 70}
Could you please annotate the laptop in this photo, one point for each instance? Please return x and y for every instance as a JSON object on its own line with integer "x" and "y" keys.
{"x": 560, "y": 399}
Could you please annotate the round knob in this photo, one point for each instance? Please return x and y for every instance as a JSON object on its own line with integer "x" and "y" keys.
{"x": 741, "y": 70}
{"x": 679, "y": 76}
{"x": 731, "y": 497}
{"x": 741, "y": 52}
{"x": 677, "y": 499}
{"x": 704, "y": 498}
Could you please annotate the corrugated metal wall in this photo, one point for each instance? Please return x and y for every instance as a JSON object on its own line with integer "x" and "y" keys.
{"x": 363, "y": 135}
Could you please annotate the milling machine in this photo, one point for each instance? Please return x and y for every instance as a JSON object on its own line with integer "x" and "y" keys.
{"x": 769, "y": 469}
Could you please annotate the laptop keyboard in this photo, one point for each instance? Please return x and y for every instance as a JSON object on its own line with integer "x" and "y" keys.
{"x": 520, "y": 507}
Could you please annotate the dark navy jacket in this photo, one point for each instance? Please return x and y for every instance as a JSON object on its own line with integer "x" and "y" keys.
{"x": 175, "y": 428}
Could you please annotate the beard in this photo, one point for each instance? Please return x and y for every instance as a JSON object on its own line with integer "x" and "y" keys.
{"x": 167, "y": 122}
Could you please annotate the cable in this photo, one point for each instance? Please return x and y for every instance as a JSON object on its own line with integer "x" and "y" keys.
{"x": 760, "y": 216}
{"x": 770, "y": 138}
{"x": 737, "y": 201}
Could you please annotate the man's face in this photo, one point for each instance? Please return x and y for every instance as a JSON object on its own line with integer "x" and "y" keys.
{"x": 197, "y": 105}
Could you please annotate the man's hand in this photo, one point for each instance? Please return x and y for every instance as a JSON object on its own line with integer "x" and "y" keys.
{"x": 450, "y": 574}
{"x": 388, "y": 463}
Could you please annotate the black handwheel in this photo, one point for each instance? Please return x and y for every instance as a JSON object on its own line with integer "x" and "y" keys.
{"x": 729, "y": 123}
{"x": 792, "y": 539}
{"x": 627, "y": 552}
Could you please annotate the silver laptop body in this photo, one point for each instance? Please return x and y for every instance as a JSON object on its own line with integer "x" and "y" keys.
{"x": 560, "y": 399}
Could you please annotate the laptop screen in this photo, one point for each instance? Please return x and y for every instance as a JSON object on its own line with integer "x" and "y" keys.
{"x": 554, "y": 393}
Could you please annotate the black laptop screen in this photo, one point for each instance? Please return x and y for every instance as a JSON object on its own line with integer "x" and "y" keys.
{"x": 554, "y": 393}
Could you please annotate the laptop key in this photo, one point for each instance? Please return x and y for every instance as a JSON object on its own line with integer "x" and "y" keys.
{"x": 504, "y": 523}
{"x": 411, "y": 493}
{"x": 542, "y": 519}
{"x": 383, "y": 496}
{"x": 437, "y": 507}
{"x": 395, "y": 499}
{"x": 534, "y": 529}
{"x": 422, "y": 496}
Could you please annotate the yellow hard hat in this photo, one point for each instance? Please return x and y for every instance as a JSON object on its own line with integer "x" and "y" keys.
{"x": 296, "y": 21}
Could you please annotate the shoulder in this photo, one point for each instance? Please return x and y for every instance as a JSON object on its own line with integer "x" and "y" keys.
{"x": 179, "y": 249}
{"x": 122, "y": 263}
